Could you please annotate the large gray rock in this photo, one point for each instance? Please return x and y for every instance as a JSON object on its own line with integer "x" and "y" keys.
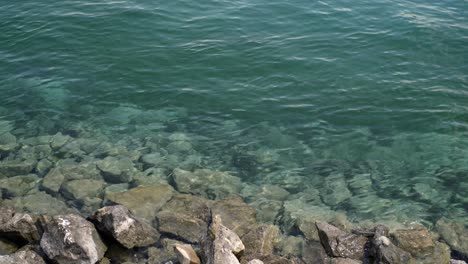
{"x": 455, "y": 234}
{"x": 261, "y": 240}
{"x": 116, "y": 170}
{"x": 26, "y": 257}
{"x": 221, "y": 245}
{"x": 385, "y": 251}
{"x": 20, "y": 228}
{"x": 338, "y": 243}
{"x": 70, "y": 239}
{"x": 237, "y": 215}
{"x": 118, "y": 222}
{"x": 145, "y": 201}
{"x": 417, "y": 241}
{"x": 185, "y": 216}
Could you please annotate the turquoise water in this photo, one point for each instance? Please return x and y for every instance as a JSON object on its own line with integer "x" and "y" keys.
{"x": 290, "y": 93}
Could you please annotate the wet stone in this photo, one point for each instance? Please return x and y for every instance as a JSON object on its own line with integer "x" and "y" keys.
{"x": 16, "y": 167}
{"x": 145, "y": 201}
{"x": 19, "y": 228}
{"x": 19, "y": 185}
{"x": 116, "y": 170}
{"x": 70, "y": 239}
{"x": 335, "y": 190}
{"x": 26, "y": 256}
{"x": 82, "y": 189}
{"x": 337, "y": 243}
{"x": 261, "y": 240}
{"x": 455, "y": 234}
{"x": 7, "y": 247}
{"x": 236, "y": 215}
{"x": 416, "y": 241}
{"x": 43, "y": 167}
{"x": 181, "y": 226}
{"x": 118, "y": 222}
{"x": 59, "y": 140}
{"x": 186, "y": 254}
{"x": 38, "y": 203}
{"x": 53, "y": 181}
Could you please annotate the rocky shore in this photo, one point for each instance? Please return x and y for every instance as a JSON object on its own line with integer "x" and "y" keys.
{"x": 190, "y": 230}
{"x": 81, "y": 196}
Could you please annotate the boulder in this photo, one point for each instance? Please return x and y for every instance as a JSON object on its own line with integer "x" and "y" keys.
{"x": 186, "y": 254}
{"x": 185, "y": 216}
{"x": 337, "y": 243}
{"x": 70, "y": 239}
{"x": 117, "y": 221}
{"x": 385, "y": 251}
{"x": 145, "y": 201}
{"x": 455, "y": 234}
{"x": 16, "y": 167}
{"x": 59, "y": 140}
{"x": 116, "y": 170}
{"x": 236, "y": 215}
{"x": 313, "y": 252}
{"x": 82, "y": 189}
{"x": 43, "y": 167}
{"x": 416, "y": 241}
{"x": 26, "y": 256}
{"x": 20, "y": 228}
{"x": 39, "y": 203}
{"x": 221, "y": 245}
{"x": 221, "y": 185}
{"x": 53, "y": 181}
{"x": 261, "y": 240}
{"x": 19, "y": 185}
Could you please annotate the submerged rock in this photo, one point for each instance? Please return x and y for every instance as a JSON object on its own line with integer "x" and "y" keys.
{"x": 145, "y": 201}
{"x": 116, "y": 170}
{"x": 39, "y": 203}
{"x": 221, "y": 184}
{"x": 70, "y": 239}
{"x": 335, "y": 190}
{"x": 261, "y": 240}
{"x": 19, "y": 185}
{"x": 23, "y": 256}
{"x": 16, "y": 167}
{"x": 385, "y": 251}
{"x": 236, "y": 215}
{"x": 455, "y": 234}
{"x": 82, "y": 189}
{"x": 118, "y": 222}
{"x": 417, "y": 241}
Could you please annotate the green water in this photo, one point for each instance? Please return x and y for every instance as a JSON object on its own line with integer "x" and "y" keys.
{"x": 290, "y": 93}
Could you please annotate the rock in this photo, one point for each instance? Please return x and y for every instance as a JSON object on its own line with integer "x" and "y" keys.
{"x": 267, "y": 211}
{"x": 313, "y": 252}
{"x": 161, "y": 255}
{"x": 185, "y": 216}
{"x": 7, "y": 247}
{"x": 116, "y": 170}
{"x": 267, "y": 191}
{"x": 339, "y": 244}
{"x": 416, "y": 241}
{"x": 59, "y": 140}
{"x": 34, "y": 152}
{"x": 300, "y": 215}
{"x": 181, "y": 226}
{"x": 18, "y": 185}
{"x": 454, "y": 261}
{"x": 221, "y": 245}
{"x": 261, "y": 240}
{"x": 335, "y": 190}
{"x": 39, "y": 203}
{"x": 27, "y": 256}
{"x": 118, "y": 222}
{"x": 145, "y": 201}
{"x": 440, "y": 254}
{"x": 116, "y": 253}
{"x": 186, "y": 254}
{"x": 20, "y": 228}
{"x": 344, "y": 261}
{"x": 221, "y": 184}
{"x": 81, "y": 189}
{"x": 16, "y": 167}
{"x": 53, "y": 181}
{"x": 385, "y": 251}
{"x": 455, "y": 234}
{"x": 70, "y": 239}
{"x": 292, "y": 246}
{"x": 43, "y": 167}
{"x": 115, "y": 188}
{"x": 236, "y": 215}
{"x": 255, "y": 261}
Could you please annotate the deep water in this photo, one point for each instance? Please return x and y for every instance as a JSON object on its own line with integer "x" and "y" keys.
{"x": 364, "y": 101}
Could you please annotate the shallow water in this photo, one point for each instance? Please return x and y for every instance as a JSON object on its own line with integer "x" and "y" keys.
{"x": 366, "y": 102}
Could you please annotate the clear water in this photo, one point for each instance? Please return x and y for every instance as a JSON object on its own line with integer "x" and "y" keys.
{"x": 291, "y": 93}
